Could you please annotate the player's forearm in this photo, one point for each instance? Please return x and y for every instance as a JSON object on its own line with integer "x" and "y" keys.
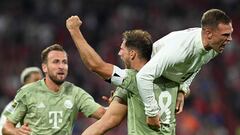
{"x": 89, "y": 56}
{"x": 101, "y": 126}
{"x": 95, "y": 129}
{"x": 112, "y": 118}
{"x": 145, "y": 88}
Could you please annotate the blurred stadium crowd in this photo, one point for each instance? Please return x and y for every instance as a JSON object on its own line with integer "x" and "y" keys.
{"x": 28, "y": 26}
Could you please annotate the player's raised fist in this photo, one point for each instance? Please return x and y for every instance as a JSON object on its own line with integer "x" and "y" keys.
{"x": 73, "y": 22}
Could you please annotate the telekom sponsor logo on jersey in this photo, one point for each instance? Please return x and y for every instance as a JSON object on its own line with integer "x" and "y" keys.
{"x": 55, "y": 117}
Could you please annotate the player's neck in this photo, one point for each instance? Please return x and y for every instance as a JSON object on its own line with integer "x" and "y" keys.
{"x": 137, "y": 65}
{"x": 51, "y": 85}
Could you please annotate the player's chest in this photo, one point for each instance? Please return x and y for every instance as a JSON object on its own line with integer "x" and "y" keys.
{"x": 47, "y": 106}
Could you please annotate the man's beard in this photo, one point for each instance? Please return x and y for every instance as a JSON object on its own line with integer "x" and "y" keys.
{"x": 127, "y": 65}
{"x": 55, "y": 80}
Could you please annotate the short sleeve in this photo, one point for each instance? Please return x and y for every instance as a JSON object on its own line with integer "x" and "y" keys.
{"x": 118, "y": 76}
{"x": 7, "y": 109}
{"x": 86, "y": 103}
{"x": 17, "y": 109}
{"x": 121, "y": 93}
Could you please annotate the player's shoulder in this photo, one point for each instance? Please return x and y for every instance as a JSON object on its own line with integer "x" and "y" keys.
{"x": 185, "y": 33}
{"x": 70, "y": 87}
{"x": 28, "y": 87}
{"x": 188, "y": 30}
{"x": 130, "y": 79}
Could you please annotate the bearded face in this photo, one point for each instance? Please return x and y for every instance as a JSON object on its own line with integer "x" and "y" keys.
{"x": 56, "y": 68}
{"x": 124, "y": 54}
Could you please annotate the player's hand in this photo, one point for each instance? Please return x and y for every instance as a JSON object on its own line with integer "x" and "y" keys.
{"x": 179, "y": 102}
{"x": 24, "y": 130}
{"x": 108, "y": 99}
{"x": 73, "y": 22}
{"x": 153, "y": 122}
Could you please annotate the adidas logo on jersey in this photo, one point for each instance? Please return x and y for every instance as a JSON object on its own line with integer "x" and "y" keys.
{"x": 41, "y": 105}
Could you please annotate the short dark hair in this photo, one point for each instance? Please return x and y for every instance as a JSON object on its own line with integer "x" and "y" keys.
{"x": 45, "y": 52}
{"x": 139, "y": 40}
{"x": 211, "y": 18}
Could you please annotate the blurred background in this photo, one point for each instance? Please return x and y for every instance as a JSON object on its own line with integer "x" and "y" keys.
{"x": 28, "y": 26}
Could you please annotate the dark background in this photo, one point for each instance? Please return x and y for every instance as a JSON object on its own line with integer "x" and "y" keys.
{"x": 28, "y": 26}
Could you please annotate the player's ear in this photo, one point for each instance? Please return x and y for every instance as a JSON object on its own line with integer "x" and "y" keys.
{"x": 133, "y": 54}
{"x": 44, "y": 67}
{"x": 209, "y": 32}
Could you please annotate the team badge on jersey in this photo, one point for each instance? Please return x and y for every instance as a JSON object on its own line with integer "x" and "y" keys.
{"x": 68, "y": 104}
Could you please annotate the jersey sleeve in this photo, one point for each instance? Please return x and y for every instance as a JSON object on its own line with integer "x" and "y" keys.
{"x": 163, "y": 59}
{"x": 121, "y": 93}
{"x": 122, "y": 77}
{"x": 17, "y": 110}
{"x": 3, "y": 116}
{"x": 7, "y": 109}
{"x": 185, "y": 85}
{"x": 86, "y": 103}
{"x": 118, "y": 76}
{"x": 2, "y": 121}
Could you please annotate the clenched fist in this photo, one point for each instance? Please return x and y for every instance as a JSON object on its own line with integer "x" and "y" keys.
{"x": 73, "y": 22}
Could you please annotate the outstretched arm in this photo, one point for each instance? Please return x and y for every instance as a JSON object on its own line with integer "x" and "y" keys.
{"x": 112, "y": 117}
{"x": 88, "y": 55}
